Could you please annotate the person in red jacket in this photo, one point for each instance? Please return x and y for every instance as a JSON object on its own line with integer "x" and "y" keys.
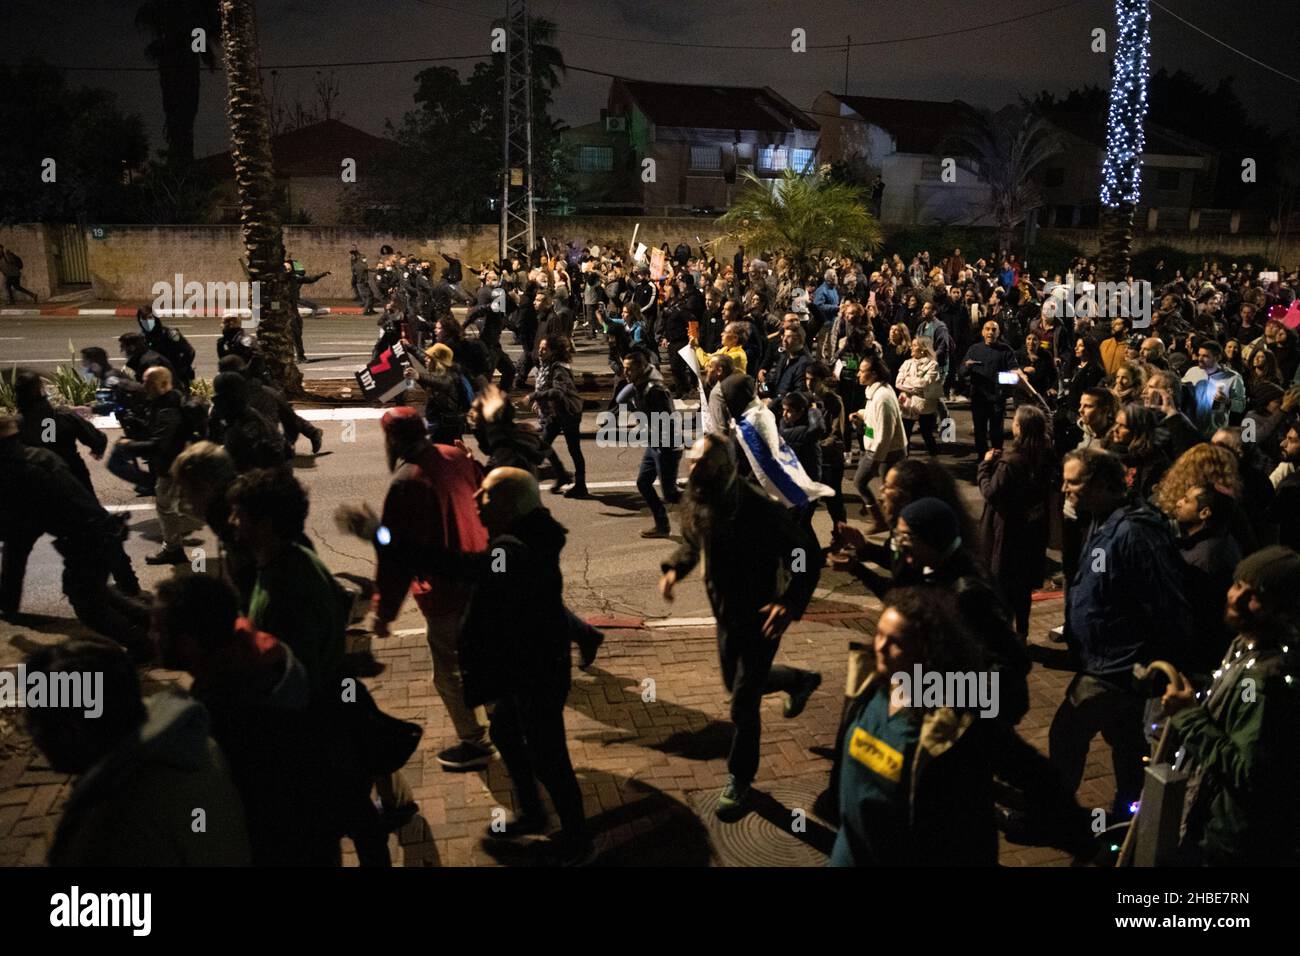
{"x": 429, "y": 509}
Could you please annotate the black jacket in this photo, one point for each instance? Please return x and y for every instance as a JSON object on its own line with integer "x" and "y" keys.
{"x": 165, "y": 434}
{"x": 69, "y": 428}
{"x": 514, "y": 636}
{"x": 744, "y": 556}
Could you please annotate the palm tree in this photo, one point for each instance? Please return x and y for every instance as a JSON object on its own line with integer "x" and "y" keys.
{"x": 170, "y": 25}
{"x": 1121, "y": 174}
{"x": 1008, "y": 146}
{"x": 250, "y": 137}
{"x": 803, "y": 216}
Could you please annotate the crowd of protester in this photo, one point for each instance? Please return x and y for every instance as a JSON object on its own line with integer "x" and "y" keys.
{"x": 1156, "y": 451}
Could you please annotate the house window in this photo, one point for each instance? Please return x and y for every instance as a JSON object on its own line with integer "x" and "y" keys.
{"x": 1168, "y": 180}
{"x": 772, "y": 158}
{"x": 1054, "y": 178}
{"x": 595, "y": 159}
{"x": 706, "y": 157}
{"x": 802, "y": 160}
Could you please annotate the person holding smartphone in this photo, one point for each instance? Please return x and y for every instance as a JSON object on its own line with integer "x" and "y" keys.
{"x": 989, "y": 369}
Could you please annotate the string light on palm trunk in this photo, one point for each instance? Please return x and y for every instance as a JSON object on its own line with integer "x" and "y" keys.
{"x": 1121, "y": 174}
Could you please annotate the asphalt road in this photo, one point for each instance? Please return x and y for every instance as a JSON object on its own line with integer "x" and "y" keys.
{"x": 608, "y": 567}
{"x": 337, "y": 345}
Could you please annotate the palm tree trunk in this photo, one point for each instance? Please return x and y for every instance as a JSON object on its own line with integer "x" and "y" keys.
{"x": 1115, "y": 258}
{"x": 250, "y": 137}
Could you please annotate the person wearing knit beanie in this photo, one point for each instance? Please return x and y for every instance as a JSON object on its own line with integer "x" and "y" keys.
{"x": 927, "y": 533}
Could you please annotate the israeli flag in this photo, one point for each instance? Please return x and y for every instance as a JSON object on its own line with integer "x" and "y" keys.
{"x": 775, "y": 464}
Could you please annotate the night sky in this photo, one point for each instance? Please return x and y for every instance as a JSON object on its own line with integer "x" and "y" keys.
{"x": 988, "y": 67}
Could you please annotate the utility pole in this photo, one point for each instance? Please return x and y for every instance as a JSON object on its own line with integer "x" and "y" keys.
{"x": 517, "y": 222}
{"x": 848, "y": 48}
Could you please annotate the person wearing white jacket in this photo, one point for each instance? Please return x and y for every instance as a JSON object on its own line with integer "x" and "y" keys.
{"x": 883, "y": 440}
{"x": 920, "y": 384}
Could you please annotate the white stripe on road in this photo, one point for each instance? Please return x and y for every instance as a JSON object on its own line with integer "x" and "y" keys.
{"x": 105, "y": 422}
{"x": 118, "y": 509}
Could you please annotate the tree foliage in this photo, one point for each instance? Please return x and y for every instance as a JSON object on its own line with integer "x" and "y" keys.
{"x": 91, "y": 141}
{"x": 803, "y": 216}
{"x": 1007, "y": 147}
{"x": 448, "y": 164}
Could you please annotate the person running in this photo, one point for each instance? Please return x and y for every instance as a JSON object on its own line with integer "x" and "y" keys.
{"x": 745, "y": 538}
{"x": 559, "y": 408}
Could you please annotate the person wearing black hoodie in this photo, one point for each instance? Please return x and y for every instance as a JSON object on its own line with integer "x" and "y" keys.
{"x": 745, "y": 539}
{"x": 39, "y": 495}
{"x": 58, "y": 429}
{"x": 523, "y": 669}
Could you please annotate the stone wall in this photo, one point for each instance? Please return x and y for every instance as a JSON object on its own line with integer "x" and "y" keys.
{"x": 35, "y": 245}
{"x": 128, "y": 260}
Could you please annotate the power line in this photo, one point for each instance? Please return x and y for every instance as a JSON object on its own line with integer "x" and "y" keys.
{"x": 1229, "y": 46}
{"x": 780, "y": 46}
{"x": 279, "y": 66}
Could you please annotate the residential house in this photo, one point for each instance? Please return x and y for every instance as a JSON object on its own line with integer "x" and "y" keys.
{"x": 309, "y": 169}
{"x": 669, "y": 148}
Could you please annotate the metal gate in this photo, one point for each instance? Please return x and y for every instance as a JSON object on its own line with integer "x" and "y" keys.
{"x": 74, "y": 264}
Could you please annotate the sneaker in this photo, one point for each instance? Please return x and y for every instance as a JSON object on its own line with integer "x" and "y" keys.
{"x": 1057, "y": 634}
{"x": 578, "y": 491}
{"x": 315, "y": 436}
{"x": 526, "y": 824}
{"x": 732, "y": 800}
{"x": 167, "y": 556}
{"x": 655, "y": 532}
{"x": 574, "y": 851}
{"x": 466, "y": 756}
{"x": 560, "y": 481}
{"x": 799, "y": 699}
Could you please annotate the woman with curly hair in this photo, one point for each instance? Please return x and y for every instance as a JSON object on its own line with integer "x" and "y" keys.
{"x": 1207, "y": 466}
{"x": 1127, "y": 383}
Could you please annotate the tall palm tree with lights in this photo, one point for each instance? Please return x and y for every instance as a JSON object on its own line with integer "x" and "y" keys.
{"x": 250, "y": 138}
{"x": 1121, "y": 172}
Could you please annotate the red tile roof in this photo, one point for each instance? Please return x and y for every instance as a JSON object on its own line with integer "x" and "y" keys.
{"x": 315, "y": 150}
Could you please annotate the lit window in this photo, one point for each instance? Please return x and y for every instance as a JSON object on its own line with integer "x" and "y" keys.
{"x": 773, "y": 158}
{"x": 802, "y": 161}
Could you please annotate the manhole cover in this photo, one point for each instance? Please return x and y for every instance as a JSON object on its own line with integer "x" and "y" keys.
{"x": 781, "y": 828}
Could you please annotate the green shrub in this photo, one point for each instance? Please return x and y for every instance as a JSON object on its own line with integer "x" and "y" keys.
{"x": 7, "y": 382}
{"x": 70, "y": 386}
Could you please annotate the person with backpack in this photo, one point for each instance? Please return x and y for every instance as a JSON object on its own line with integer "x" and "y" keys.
{"x": 252, "y": 439}
{"x": 168, "y": 430}
{"x": 559, "y": 408}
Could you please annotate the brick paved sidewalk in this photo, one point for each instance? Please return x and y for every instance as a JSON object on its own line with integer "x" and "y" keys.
{"x": 642, "y": 764}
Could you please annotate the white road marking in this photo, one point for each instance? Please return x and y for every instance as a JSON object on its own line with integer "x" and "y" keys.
{"x": 118, "y": 509}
